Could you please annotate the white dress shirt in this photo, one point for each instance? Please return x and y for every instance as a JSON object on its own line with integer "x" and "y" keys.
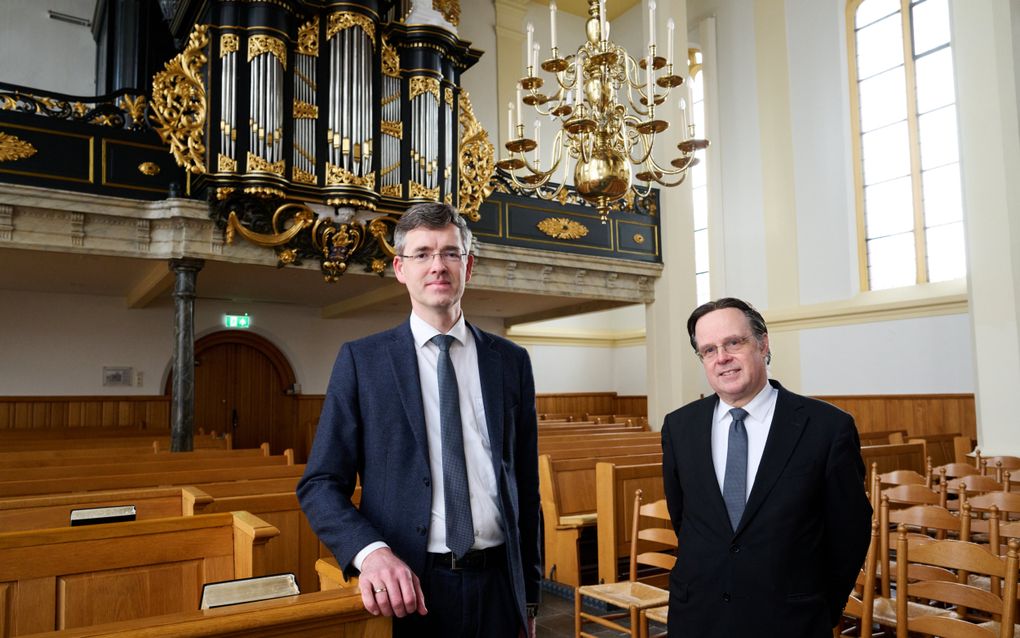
{"x": 758, "y": 422}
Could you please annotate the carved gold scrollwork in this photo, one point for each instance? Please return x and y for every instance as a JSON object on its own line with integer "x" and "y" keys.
{"x": 302, "y": 219}
{"x": 12, "y": 148}
{"x": 450, "y": 10}
{"x": 179, "y": 102}
{"x": 448, "y": 95}
{"x": 226, "y": 164}
{"x": 135, "y": 107}
{"x": 476, "y": 162}
{"x": 229, "y": 43}
{"x": 345, "y": 20}
{"x": 259, "y": 44}
{"x": 378, "y": 229}
{"x": 422, "y": 84}
{"x": 562, "y": 228}
{"x": 256, "y": 163}
{"x": 337, "y": 175}
{"x": 302, "y": 177}
{"x": 308, "y": 38}
{"x": 305, "y": 111}
{"x": 391, "y": 190}
{"x": 390, "y": 59}
{"x": 393, "y": 128}
{"x": 419, "y": 191}
{"x": 148, "y": 168}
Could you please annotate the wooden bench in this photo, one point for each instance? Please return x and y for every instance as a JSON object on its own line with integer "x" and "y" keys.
{"x": 36, "y": 487}
{"x": 904, "y": 456}
{"x": 332, "y": 614}
{"x": 91, "y": 456}
{"x": 941, "y": 448}
{"x": 78, "y": 576}
{"x": 43, "y": 512}
{"x": 161, "y": 441}
{"x": 615, "y": 485}
{"x": 148, "y": 463}
{"x": 569, "y": 502}
{"x": 882, "y": 437}
{"x": 594, "y": 441}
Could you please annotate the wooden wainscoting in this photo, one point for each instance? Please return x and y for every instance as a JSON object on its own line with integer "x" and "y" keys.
{"x": 582, "y": 403}
{"x": 918, "y": 414}
{"x": 150, "y": 412}
{"x": 308, "y": 408}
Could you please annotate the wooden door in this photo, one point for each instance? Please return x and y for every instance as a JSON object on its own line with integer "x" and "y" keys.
{"x": 241, "y": 387}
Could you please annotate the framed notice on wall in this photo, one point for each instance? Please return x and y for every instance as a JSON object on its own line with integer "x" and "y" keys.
{"x": 118, "y": 376}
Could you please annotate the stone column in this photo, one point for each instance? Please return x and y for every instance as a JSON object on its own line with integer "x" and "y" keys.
{"x": 182, "y": 410}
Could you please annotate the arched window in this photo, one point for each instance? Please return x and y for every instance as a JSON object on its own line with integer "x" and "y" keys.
{"x": 699, "y": 178}
{"x": 906, "y": 156}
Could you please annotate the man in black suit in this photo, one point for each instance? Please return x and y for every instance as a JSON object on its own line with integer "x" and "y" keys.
{"x": 766, "y": 492}
{"x": 437, "y": 420}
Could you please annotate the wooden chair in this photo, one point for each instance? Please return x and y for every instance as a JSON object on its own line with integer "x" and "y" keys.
{"x": 860, "y": 602}
{"x": 977, "y": 484}
{"x": 924, "y": 521}
{"x": 953, "y": 470}
{"x": 633, "y": 596}
{"x": 1001, "y": 464}
{"x": 908, "y": 495}
{"x": 1007, "y": 504}
{"x": 963, "y": 558}
{"x": 903, "y": 477}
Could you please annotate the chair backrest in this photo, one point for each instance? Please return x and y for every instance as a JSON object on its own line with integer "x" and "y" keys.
{"x": 963, "y": 558}
{"x": 954, "y": 470}
{"x": 975, "y": 484}
{"x": 924, "y": 522}
{"x": 861, "y": 601}
{"x": 900, "y": 495}
{"x": 1007, "y": 502}
{"x": 653, "y": 545}
{"x": 902, "y": 477}
{"x": 1002, "y": 464}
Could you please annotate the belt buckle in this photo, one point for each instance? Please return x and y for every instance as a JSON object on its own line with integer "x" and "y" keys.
{"x": 453, "y": 563}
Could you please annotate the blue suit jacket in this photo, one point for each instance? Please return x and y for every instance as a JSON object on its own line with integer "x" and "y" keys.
{"x": 373, "y": 426}
{"x": 790, "y": 564}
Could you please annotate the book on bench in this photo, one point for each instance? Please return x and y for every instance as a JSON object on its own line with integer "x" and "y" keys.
{"x": 248, "y": 590}
{"x": 97, "y": 515}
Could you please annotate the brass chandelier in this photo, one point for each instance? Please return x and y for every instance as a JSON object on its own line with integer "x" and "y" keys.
{"x": 597, "y": 130}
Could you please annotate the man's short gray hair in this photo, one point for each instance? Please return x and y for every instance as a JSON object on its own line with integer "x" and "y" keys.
{"x": 436, "y": 216}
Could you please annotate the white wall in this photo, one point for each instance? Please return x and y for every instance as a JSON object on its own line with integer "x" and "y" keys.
{"x": 477, "y": 26}
{"x": 42, "y": 53}
{"x": 588, "y": 369}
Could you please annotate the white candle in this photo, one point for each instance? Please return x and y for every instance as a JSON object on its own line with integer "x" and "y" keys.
{"x": 527, "y": 51}
{"x": 669, "y": 40}
{"x": 535, "y": 63}
{"x": 578, "y": 81}
{"x": 603, "y": 35}
{"x": 552, "y": 24}
{"x": 683, "y": 118}
{"x": 538, "y": 142}
{"x": 651, "y": 24}
{"x": 651, "y": 94}
{"x": 509, "y": 120}
{"x": 519, "y": 106}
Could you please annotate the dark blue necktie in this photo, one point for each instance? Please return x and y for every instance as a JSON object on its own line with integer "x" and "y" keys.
{"x": 735, "y": 479}
{"x": 460, "y": 534}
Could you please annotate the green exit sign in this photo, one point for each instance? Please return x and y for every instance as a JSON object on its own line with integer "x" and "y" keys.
{"x": 237, "y": 321}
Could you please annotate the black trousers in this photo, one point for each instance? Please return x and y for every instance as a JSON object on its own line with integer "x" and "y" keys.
{"x": 475, "y": 601}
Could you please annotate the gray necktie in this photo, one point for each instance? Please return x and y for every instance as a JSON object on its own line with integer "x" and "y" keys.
{"x": 735, "y": 479}
{"x": 460, "y": 534}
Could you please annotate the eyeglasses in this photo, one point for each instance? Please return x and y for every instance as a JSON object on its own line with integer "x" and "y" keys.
{"x": 448, "y": 256}
{"x": 732, "y": 345}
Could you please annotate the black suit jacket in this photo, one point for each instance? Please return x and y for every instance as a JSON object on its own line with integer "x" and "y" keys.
{"x": 790, "y": 564}
{"x": 373, "y": 426}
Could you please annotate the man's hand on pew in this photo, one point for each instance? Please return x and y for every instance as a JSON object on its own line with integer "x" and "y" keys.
{"x": 389, "y": 587}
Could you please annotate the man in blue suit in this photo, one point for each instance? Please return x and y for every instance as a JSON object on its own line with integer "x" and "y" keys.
{"x": 766, "y": 492}
{"x": 437, "y": 420}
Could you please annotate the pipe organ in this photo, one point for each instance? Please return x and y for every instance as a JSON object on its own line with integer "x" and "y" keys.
{"x": 310, "y": 125}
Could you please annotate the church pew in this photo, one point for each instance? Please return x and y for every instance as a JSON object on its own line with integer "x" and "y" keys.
{"x": 148, "y": 463}
{"x": 36, "y": 487}
{"x": 90, "y": 456}
{"x": 329, "y": 614}
{"x": 569, "y": 502}
{"x": 331, "y": 576}
{"x": 78, "y": 576}
{"x": 576, "y": 442}
{"x": 615, "y": 485}
{"x": 903, "y": 456}
{"x": 42, "y": 512}
{"x": 940, "y": 448}
{"x": 589, "y": 429}
{"x": 73, "y": 441}
{"x": 617, "y": 450}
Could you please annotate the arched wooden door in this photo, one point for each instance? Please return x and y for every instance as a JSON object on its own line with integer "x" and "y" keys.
{"x": 241, "y": 384}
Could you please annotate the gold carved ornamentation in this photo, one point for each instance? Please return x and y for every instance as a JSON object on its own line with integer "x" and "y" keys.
{"x": 351, "y": 201}
{"x": 179, "y": 102}
{"x": 224, "y": 192}
{"x": 265, "y": 192}
{"x": 448, "y": 94}
{"x": 391, "y": 190}
{"x": 393, "y": 128}
{"x": 287, "y": 256}
{"x": 378, "y": 265}
{"x": 9, "y": 103}
{"x": 226, "y": 164}
{"x": 148, "y": 168}
{"x": 423, "y": 84}
{"x": 135, "y": 107}
{"x": 80, "y": 109}
{"x": 562, "y": 228}
{"x": 259, "y": 44}
{"x": 378, "y": 229}
{"x": 337, "y": 175}
{"x": 308, "y": 38}
{"x": 229, "y": 43}
{"x": 345, "y": 20}
{"x": 476, "y": 162}
{"x": 390, "y": 60}
{"x": 450, "y": 10}
{"x": 305, "y": 111}
{"x": 639, "y": 238}
{"x": 257, "y": 164}
{"x": 421, "y": 192}
{"x": 302, "y": 219}
{"x": 12, "y": 148}
{"x": 302, "y": 177}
